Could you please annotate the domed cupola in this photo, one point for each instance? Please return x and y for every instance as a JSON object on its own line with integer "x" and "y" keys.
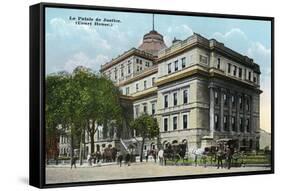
{"x": 152, "y": 42}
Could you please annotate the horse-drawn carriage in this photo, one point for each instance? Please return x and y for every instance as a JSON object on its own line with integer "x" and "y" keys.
{"x": 175, "y": 152}
{"x": 221, "y": 146}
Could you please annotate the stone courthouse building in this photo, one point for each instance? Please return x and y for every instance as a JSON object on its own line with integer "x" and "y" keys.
{"x": 198, "y": 89}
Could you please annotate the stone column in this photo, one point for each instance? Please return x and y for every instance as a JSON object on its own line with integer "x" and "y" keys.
{"x": 251, "y": 115}
{"x": 236, "y": 97}
{"x": 229, "y": 104}
{"x": 244, "y": 112}
{"x": 221, "y": 111}
{"x": 212, "y": 111}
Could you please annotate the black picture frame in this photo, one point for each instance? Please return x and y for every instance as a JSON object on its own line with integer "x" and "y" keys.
{"x": 37, "y": 94}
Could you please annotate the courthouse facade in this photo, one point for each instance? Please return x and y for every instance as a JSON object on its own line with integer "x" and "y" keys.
{"x": 198, "y": 89}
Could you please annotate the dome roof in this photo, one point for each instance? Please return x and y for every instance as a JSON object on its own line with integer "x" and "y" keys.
{"x": 152, "y": 43}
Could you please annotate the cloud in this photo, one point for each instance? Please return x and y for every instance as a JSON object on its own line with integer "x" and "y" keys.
{"x": 81, "y": 59}
{"x": 179, "y": 32}
{"x": 233, "y": 33}
{"x": 67, "y": 31}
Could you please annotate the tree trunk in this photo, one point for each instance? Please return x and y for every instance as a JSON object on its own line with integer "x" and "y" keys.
{"x": 92, "y": 142}
{"x": 71, "y": 146}
{"x": 142, "y": 145}
{"x": 81, "y": 148}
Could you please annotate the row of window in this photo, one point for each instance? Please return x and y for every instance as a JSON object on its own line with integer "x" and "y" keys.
{"x": 233, "y": 101}
{"x": 175, "y": 98}
{"x": 145, "y": 86}
{"x": 176, "y": 65}
{"x": 175, "y": 123}
{"x": 233, "y": 125}
{"x": 234, "y": 70}
{"x": 144, "y": 109}
{"x": 129, "y": 69}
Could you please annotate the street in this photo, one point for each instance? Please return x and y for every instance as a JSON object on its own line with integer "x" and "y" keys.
{"x": 136, "y": 170}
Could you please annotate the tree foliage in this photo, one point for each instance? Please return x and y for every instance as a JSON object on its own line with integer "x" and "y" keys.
{"x": 77, "y": 102}
{"x": 146, "y": 127}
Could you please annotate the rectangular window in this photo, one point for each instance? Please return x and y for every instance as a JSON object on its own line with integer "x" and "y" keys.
{"x": 165, "y": 124}
{"x": 169, "y": 68}
{"x": 234, "y": 70}
{"x": 216, "y": 122}
{"x": 137, "y": 60}
{"x": 115, "y": 74}
{"x": 153, "y": 108}
{"x": 137, "y": 111}
{"x": 255, "y": 79}
{"x": 145, "y": 108}
{"x": 216, "y": 98}
{"x": 185, "y": 96}
{"x": 140, "y": 61}
{"x": 241, "y": 127}
{"x": 166, "y": 101}
{"x": 250, "y": 76}
{"x": 247, "y": 104}
{"x": 225, "y": 99}
{"x": 175, "y": 98}
{"x": 225, "y": 122}
{"x": 144, "y": 84}
{"x": 138, "y": 68}
{"x": 129, "y": 68}
{"x": 248, "y": 125}
{"x": 183, "y": 62}
{"x": 153, "y": 81}
{"x": 122, "y": 72}
{"x": 219, "y": 63}
{"x": 184, "y": 121}
{"x": 240, "y": 73}
{"x": 233, "y": 124}
{"x": 127, "y": 90}
{"x": 175, "y": 123}
{"x": 229, "y": 68}
{"x": 176, "y": 65}
{"x": 147, "y": 64}
{"x": 233, "y": 100}
{"x": 240, "y": 103}
{"x": 137, "y": 87}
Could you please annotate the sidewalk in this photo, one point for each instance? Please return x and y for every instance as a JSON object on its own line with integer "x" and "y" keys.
{"x": 84, "y": 165}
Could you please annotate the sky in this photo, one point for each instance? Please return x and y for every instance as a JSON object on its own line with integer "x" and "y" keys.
{"x": 69, "y": 44}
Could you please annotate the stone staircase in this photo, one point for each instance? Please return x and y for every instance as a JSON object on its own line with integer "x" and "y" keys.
{"x": 130, "y": 145}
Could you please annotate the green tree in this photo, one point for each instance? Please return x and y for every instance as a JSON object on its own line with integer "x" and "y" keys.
{"x": 146, "y": 127}
{"x": 55, "y": 113}
{"x": 78, "y": 102}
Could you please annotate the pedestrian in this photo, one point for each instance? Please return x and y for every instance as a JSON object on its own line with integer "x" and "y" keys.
{"x": 94, "y": 158}
{"x": 89, "y": 159}
{"x": 195, "y": 157}
{"x": 119, "y": 158}
{"x": 161, "y": 156}
{"x": 219, "y": 158}
{"x": 128, "y": 159}
{"x": 204, "y": 158}
{"x": 154, "y": 155}
{"x": 228, "y": 157}
{"x": 146, "y": 153}
{"x": 73, "y": 162}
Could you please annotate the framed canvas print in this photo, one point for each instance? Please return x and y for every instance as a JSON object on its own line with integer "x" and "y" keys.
{"x": 123, "y": 95}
